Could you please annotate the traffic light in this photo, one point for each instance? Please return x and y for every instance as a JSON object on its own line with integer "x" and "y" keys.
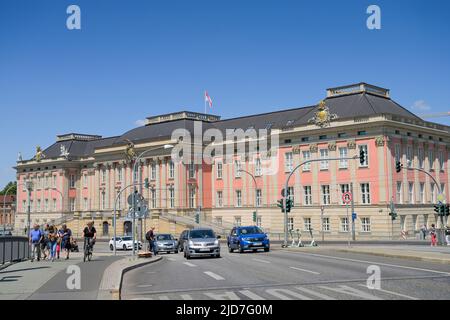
{"x": 447, "y": 210}
{"x": 146, "y": 183}
{"x": 439, "y": 209}
{"x": 197, "y": 218}
{"x": 362, "y": 156}
{"x": 254, "y": 217}
{"x": 289, "y": 205}
{"x": 393, "y": 215}
{"x": 280, "y": 205}
{"x": 398, "y": 166}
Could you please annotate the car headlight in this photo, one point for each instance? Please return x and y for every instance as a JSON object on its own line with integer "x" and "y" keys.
{"x": 191, "y": 243}
{"x": 216, "y": 242}
{"x": 244, "y": 239}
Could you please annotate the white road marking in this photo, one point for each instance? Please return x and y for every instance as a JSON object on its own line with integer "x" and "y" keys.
{"x": 190, "y": 264}
{"x": 317, "y": 294}
{"x": 393, "y": 293}
{"x": 304, "y": 270}
{"x": 283, "y": 294}
{"x": 263, "y": 261}
{"x": 375, "y": 263}
{"x": 352, "y": 292}
{"x": 186, "y": 297}
{"x": 214, "y": 276}
{"x": 229, "y": 295}
{"x": 171, "y": 259}
{"x": 251, "y": 295}
{"x": 145, "y": 286}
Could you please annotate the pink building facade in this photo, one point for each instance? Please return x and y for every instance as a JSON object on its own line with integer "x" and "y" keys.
{"x": 80, "y": 176}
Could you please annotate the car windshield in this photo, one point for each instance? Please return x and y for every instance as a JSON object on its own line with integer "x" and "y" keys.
{"x": 201, "y": 234}
{"x": 126, "y": 238}
{"x": 163, "y": 237}
{"x": 250, "y": 230}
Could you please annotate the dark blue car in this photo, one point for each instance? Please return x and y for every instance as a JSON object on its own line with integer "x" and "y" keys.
{"x": 248, "y": 238}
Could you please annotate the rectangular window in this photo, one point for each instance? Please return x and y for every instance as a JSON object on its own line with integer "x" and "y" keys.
{"x": 39, "y": 183}
{"x": 344, "y": 225}
{"x": 420, "y": 157}
{"x": 307, "y": 196}
{"x": 119, "y": 174}
{"x": 171, "y": 197}
{"x": 365, "y": 193}
{"x": 326, "y": 224}
{"x": 171, "y": 169}
{"x": 397, "y": 153}
{"x": 220, "y": 199}
{"x": 366, "y": 158}
{"x": 219, "y": 220}
{"x": 422, "y": 193}
{"x": 238, "y": 198}
{"x": 441, "y": 161}
{"x": 291, "y": 194}
{"x": 344, "y": 189}
{"x": 306, "y": 157}
{"x": 399, "y": 193}
{"x": 410, "y": 192}
{"x": 259, "y": 198}
{"x": 326, "y": 195}
{"x": 39, "y": 208}
{"x": 324, "y": 159}
{"x": 103, "y": 201}
{"x": 72, "y": 204}
{"x": 86, "y": 204}
{"x": 237, "y": 169}
{"x": 409, "y": 160}
{"x": 288, "y": 162}
{"x": 103, "y": 175}
{"x": 191, "y": 197}
{"x": 45, "y": 205}
{"x": 153, "y": 171}
{"x": 153, "y": 198}
{"x": 431, "y": 159}
{"x": 237, "y": 221}
{"x": 290, "y": 223}
{"x": 432, "y": 192}
{"x": 343, "y": 153}
{"x": 191, "y": 167}
{"x": 72, "y": 181}
{"x": 54, "y": 181}
{"x": 54, "y": 205}
{"x": 258, "y": 171}
{"x": 85, "y": 180}
{"x": 306, "y": 224}
{"x": 365, "y": 224}
{"x": 219, "y": 170}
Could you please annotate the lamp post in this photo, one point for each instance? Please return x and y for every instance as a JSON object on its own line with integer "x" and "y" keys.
{"x": 29, "y": 187}
{"x": 256, "y": 190}
{"x": 287, "y": 185}
{"x": 4, "y": 207}
{"x": 138, "y": 159}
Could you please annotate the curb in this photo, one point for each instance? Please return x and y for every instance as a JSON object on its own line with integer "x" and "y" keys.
{"x": 399, "y": 256}
{"x": 113, "y": 290}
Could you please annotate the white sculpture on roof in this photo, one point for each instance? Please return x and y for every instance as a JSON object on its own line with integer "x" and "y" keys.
{"x": 64, "y": 152}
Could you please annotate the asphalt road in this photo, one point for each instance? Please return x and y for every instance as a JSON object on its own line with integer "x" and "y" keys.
{"x": 283, "y": 275}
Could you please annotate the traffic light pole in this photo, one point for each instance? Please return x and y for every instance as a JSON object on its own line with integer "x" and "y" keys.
{"x": 286, "y": 185}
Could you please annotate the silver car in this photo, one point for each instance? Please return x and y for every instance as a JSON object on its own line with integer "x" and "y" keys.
{"x": 166, "y": 243}
{"x": 200, "y": 243}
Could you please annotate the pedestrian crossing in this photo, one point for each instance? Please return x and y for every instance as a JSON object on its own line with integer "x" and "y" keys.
{"x": 347, "y": 291}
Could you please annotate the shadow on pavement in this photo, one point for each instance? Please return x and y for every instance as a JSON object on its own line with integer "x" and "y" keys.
{"x": 26, "y": 269}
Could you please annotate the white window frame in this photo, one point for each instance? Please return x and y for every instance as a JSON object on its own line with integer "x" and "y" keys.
{"x": 366, "y": 158}
{"x": 288, "y": 162}
{"x": 325, "y": 194}
{"x": 422, "y": 192}
{"x": 258, "y": 197}
{"x": 258, "y": 171}
{"x": 324, "y": 163}
{"x": 192, "y": 168}
{"x": 431, "y": 159}
{"x": 153, "y": 171}
{"x": 326, "y": 225}
{"x": 441, "y": 160}
{"x": 365, "y": 193}
{"x": 409, "y": 156}
{"x": 220, "y": 198}
{"x": 344, "y": 225}
{"x": 307, "y": 195}
{"x": 306, "y": 157}
{"x": 399, "y": 192}
{"x": 239, "y": 198}
{"x": 307, "y": 224}
{"x": 291, "y": 223}
{"x": 72, "y": 204}
{"x": 366, "y": 225}
{"x": 237, "y": 168}
{"x": 219, "y": 170}
{"x": 171, "y": 197}
{"x": 420, "y": 156}
{"x": 171, "y": 172}
{"x": 411, "y": 192}
{"x": 192, "y": 197}
{"x": 343, "y": 153}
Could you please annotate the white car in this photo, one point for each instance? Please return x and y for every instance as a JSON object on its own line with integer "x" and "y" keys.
{"x": 123, "y": 243}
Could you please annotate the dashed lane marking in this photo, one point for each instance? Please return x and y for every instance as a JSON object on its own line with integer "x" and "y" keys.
{"x": 304, "y": 270}
{"x": 214, "y": 276}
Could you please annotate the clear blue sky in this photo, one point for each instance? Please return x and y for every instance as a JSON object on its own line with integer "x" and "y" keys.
{"x": 133, "y": 59}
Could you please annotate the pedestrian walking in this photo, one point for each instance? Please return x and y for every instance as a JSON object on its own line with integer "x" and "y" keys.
{"x": 447, "y": 235}
{"x": 44, "y": 243}
{"x": 65, "y": 235}
{"x": 35, "y": 241}
{"x": 53, "y": 239}
{"x": 433, "y": 236}
{"x": 424, "y": 230}
{"x": 149, "y": 237}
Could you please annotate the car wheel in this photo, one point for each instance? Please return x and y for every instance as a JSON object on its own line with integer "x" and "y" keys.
{"x": 230, "y": 250}
{"x": 111, "y": 247}
{"x": 255, "y": 250}
{"x": 217, "y": 256}
{"x": 124, "y": 248}
{"x": 176, "y": 252}
{"x": 266, "y": 249}
{"x": 241, "y": 250}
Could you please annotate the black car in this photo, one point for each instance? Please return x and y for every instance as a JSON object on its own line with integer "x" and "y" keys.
{"x": 183, "y": 238}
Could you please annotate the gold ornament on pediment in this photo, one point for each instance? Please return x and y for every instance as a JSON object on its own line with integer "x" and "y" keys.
{"x": 322, "y": 117}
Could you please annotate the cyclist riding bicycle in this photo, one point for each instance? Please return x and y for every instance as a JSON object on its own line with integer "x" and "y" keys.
{"x": 89, "y": 235}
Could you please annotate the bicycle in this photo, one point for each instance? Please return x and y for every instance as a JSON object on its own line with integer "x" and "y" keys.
{"x": 88, "y": 249}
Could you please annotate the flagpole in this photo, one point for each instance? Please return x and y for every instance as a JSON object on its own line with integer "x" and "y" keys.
{"x": 204, "y": 99}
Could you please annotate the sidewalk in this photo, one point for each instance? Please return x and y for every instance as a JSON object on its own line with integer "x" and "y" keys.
{"x": 439, "y": 254}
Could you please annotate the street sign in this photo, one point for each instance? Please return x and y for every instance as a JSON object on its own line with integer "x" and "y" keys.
{"x": 347, "y": 197}
{"x": 138, "y": 197}
{"x": 354, "y": 216}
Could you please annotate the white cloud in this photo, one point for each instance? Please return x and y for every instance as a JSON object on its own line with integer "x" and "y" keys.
{"x": 421, "y": 105}
{"x": 140, "y": 123}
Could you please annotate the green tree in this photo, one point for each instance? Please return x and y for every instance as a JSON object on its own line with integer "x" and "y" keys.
{"x": 13, "y": 190}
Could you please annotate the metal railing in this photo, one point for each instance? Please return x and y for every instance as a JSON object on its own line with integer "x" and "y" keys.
{"x": 14, "y": 249}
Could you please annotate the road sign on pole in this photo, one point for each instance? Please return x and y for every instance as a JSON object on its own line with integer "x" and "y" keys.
{"x": 347, "y": 198}
{"x": 354, "y": 216}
